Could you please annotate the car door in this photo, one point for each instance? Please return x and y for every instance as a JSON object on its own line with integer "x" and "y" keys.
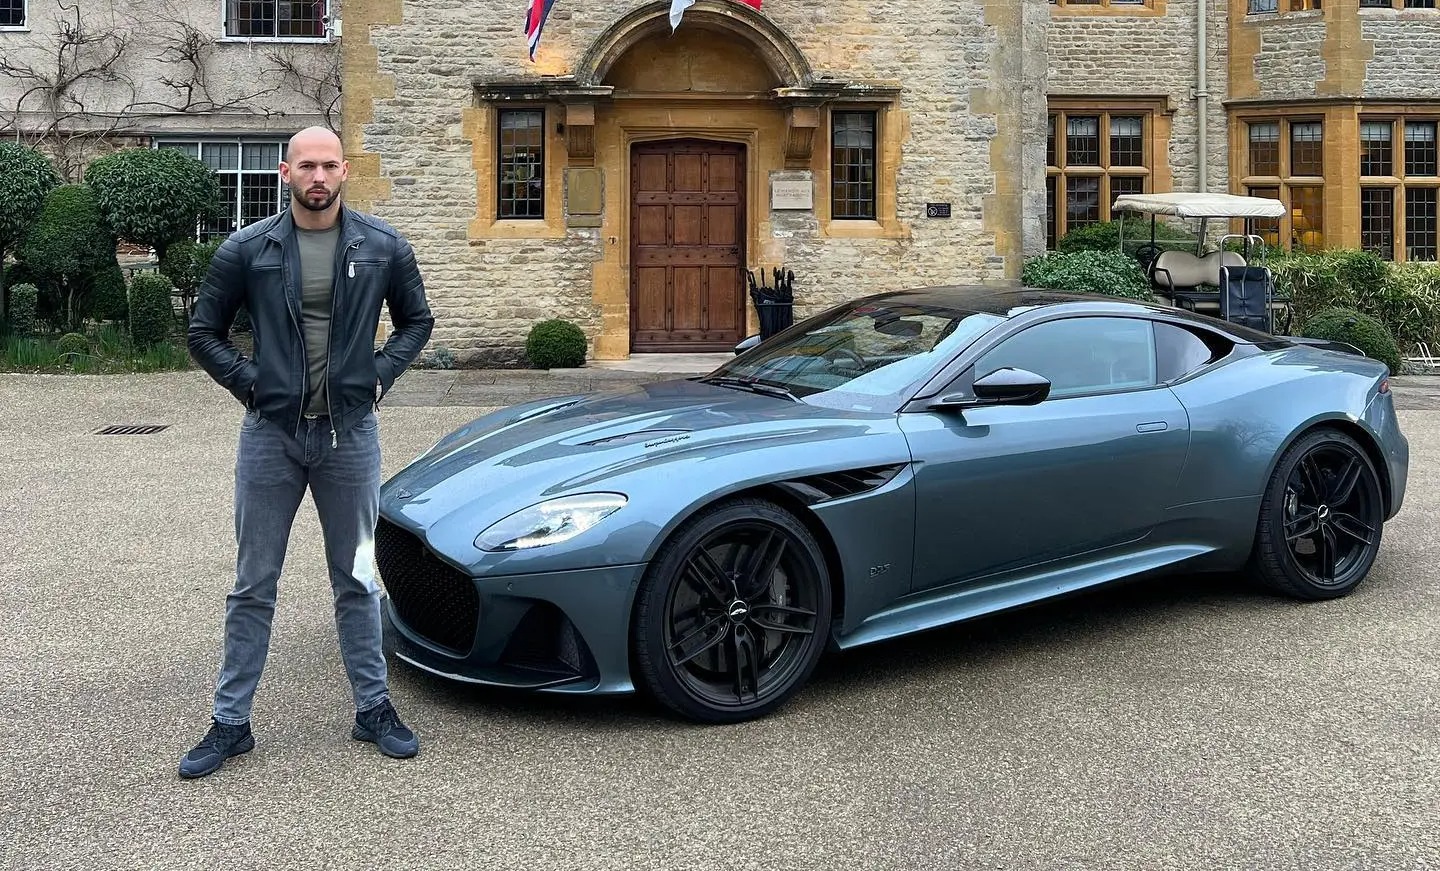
{"x": 1091, "y": 467}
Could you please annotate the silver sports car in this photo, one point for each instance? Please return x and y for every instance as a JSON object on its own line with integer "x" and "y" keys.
{"x": 893, "y": 464}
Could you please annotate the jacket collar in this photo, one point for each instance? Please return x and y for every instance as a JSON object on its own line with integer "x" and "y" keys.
{"x": 351, "y": 229}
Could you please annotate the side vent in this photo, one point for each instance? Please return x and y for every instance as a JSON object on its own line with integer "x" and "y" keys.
{"x": 837, "y": 485}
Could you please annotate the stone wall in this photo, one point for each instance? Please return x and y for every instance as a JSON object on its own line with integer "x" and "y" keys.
{"x": 1151, "y": 51}
{"x": 418, "y": 146}
{"x": 239, "y": 87}
{"x": 1405, "y": 53}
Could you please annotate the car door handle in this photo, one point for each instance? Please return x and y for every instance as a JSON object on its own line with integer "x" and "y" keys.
{"x": 1152, "y": 426}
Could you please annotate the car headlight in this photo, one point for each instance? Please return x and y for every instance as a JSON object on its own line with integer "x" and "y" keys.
{"x": 549, "y": 522}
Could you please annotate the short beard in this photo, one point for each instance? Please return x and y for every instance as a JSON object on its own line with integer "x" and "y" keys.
{"x": 305, "y": 203}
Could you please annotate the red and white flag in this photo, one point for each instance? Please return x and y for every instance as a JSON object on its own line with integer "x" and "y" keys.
{"x": 678, "y": 7}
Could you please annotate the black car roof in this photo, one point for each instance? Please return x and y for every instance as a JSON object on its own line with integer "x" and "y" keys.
{"x": 1008, "y": 302}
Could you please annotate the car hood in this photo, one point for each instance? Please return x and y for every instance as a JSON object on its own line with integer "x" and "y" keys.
{"x": 514, "y": 457}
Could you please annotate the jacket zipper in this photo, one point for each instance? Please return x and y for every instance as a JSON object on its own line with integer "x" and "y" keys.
{"x": 330, "y": 341}
{"x": 299, "y": 333}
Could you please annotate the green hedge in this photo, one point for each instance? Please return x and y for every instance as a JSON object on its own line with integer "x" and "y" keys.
{"x": 1104, "y": 272}
{"x": 24, "y": 300}
{"x": 1404, "y": 297}
{"x": 1358, "y": 329}
{"x": 1106, "y": 236}
{"x": 151, "y": 314}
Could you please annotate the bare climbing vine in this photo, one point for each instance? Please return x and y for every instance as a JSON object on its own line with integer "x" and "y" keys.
{"x": 86, "y": 81}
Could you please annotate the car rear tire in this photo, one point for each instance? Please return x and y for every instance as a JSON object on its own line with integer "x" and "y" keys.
{"x": 733, "y": 614}
{"x": 1321, "y": 519}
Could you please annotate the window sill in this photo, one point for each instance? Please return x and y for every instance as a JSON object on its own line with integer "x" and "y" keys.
{"x": 23, "y": 28}
{"x": 300, "y": 40}
{"x": 846, "y": 229}
{"x": 515, "y": 228}
{"x": 1134, "y": 10}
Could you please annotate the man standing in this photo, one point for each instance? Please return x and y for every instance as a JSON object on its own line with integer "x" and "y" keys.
{"x": 313, "y": 279}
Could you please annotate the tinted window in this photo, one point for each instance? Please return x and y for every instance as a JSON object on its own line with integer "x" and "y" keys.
{"x": 1080, "y": 355}
{"x": 1179, "y": 352}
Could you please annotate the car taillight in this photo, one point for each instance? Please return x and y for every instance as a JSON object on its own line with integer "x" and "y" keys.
{"x": 1384, "y": 385}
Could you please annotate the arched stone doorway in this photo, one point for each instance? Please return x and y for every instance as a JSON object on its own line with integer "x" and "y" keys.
{"x": 672, "y": 144}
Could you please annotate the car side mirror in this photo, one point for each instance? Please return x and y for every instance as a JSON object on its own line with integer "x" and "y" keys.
{"x": 1008, "y": 386}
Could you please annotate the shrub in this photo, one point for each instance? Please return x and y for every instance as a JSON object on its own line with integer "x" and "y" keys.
{"x": 151, "y": 315}
{"x": 65, "y": 251}
{"x": 153, "y": 196}
{"x": 555, "y": 344}
{"x": 1104, "y": 272}
{"x": 26, "y": 178}
{"x": 1106, "y": 236}
{"x": 186, "y": 262}
{"x": 109, "y": 302}
{"x": 73, "y": 344}
{"x": 23, "y": 300}
{"x": 1358, "y": 329}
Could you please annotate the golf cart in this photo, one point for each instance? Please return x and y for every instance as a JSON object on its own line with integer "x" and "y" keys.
{"x": 1235, "y": 284}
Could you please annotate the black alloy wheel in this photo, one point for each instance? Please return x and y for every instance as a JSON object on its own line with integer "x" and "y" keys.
{"x": 734, "y": 613}
{"x": 1321, "y": 519}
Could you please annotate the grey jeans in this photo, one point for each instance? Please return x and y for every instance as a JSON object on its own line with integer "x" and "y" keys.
{"x": 272, "y": 471}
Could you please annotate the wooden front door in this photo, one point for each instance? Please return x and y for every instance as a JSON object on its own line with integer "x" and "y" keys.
{"x": 687, "y": 246}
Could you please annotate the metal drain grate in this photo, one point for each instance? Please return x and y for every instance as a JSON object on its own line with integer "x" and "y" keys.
{"x": 131, "y": 428}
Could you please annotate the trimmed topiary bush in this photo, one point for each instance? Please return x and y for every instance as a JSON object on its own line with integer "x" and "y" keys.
{"x": 1358, "y": 329}
{"x": 555, "y": 344}
{"x": 24, "y": 298}
{"x": 153, "y": 196}
{"x": 73, "y": 343}
{"x": 1104, "y": 272}
{"x": 151, "y": 315}
{"x": 26, "y": 178}
{"x": 66, "y": 249}
{"x": 109, "y": 303}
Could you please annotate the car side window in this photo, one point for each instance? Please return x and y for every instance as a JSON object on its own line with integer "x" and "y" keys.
{"x": 1179, "y": 351}
{"x": 1080, "y": 355}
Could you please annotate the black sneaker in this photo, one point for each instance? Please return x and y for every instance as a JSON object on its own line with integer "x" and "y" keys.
{"x": 219, "y": 744}
{"x": 381, "y": 726}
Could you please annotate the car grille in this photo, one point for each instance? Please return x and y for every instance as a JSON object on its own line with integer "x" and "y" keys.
{"x": 432, "y": 598}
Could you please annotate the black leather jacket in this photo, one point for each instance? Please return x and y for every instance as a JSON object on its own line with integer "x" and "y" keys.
{"x": 259, "y": 266}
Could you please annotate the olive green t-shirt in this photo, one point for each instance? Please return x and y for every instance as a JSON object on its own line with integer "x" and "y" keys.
{"x": 317, "y": 265}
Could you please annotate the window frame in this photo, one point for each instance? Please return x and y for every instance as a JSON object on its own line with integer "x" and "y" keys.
{"x": 1399, "y": 182}
{"x": 282, "y": 195}
{"x": 24, "y": 25}
{"x": 1284, "y": 183}
{"x": 1058, "y": 171}
{"x": 326, "y": 35}
{"x": 876, "y": 148}
{"x": 499, "y": 164}
{"x": 1399, "y": 5}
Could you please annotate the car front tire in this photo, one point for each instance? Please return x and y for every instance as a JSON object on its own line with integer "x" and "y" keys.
{"x": 733, "y": 614}
{"x": 1321, "y": 519}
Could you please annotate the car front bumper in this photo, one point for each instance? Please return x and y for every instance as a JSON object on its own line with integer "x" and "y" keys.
{"x": 563, "y": 632}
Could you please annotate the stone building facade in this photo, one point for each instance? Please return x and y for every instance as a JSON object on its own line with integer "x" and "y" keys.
{"x": 628, "y": 177}
{"x": 227, "y": 81}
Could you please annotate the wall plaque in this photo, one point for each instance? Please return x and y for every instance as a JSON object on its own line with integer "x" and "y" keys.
{"x": 791, "y": 193}
{"x": 937, "y": 210}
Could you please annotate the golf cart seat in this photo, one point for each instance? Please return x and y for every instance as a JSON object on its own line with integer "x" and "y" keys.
{"x": 1187, "y": 279}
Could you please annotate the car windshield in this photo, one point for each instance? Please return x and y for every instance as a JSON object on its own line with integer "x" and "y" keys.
{"x": 858, "y": 356}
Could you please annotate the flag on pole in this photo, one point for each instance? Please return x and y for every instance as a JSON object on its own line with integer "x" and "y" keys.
{"x": 678, "y": 7}
{"x": 535, "y": 17}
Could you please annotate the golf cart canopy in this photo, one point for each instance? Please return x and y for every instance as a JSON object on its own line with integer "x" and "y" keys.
{"x": 1195, "y": 205}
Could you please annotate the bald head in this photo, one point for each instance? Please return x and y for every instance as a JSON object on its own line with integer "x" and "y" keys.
{"x": 315, "y": 168}
{"x": 315, "y": 137}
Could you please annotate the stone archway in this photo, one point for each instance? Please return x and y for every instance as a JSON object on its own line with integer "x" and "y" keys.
{"x": 780, "y": 54}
